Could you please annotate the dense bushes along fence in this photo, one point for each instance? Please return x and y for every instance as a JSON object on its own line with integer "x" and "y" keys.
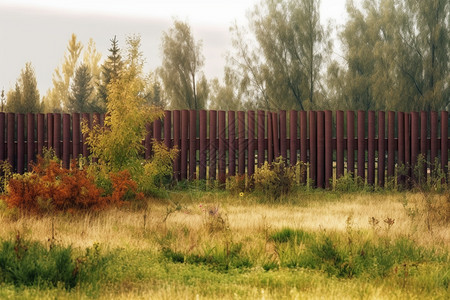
{"x": 217, "y": 144}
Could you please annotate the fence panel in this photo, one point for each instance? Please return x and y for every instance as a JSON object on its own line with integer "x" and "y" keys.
{"x": 219, "y": 140}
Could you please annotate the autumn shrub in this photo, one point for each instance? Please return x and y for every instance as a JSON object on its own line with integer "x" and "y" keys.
{"x": 274, "y": 180}
{"x": 49, "y": 187}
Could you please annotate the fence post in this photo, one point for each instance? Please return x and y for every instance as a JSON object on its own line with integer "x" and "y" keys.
{"x": 381, "y": 147}
{"x": 212, "y": 143}
{"x": 251, "y": 143}
{"x": 320, "y": 149}
{"x": 434, "y": 140}
{"x": 192, "y": 144}
{"x": 444, "y": 143}
{"x": 222, "y": 148}
{"x": 408, "y": 145}
{"x": 20, "y": 143}
{"x": 2, "y": 136}
{"x": 371, "y": 148}
{"x": 184, "y": 143}
{"x": 339, "y": 143}
{"x": 57, "y": 134}
{"x": 328, "y": 148}
{"x": 10, "y": 139}
{"x": 76, "y": 135}
{"x": 351, "y": 142}
{"x": 231, "y": 143}
{"x": 283, "y": 150}
{"x": 361, "y": 144}
{"x": 293, "y": 144}
{"x": 66, "y": 141}
{"x": 261, "y": 138}
{"x": 177, "y": 143}
{"x": 30, "y": 140}
{"x": 424, "y": 142}
{"x": 269, "y": 138}
{"x": 275, "y": 136}
{"x": 40, "y": 133}
{"x": 391, "y": 145}
{"x": 203, "y": 145}
{"x": 401, "y": 144}
{"x": 304, "y": 144}
{"x": 241, "y": 143}
{"x": 415, "y": 145}
{"x": 49, "y": 130}
{"x": 313, "y": 147}
{"x": 168, "y": 129}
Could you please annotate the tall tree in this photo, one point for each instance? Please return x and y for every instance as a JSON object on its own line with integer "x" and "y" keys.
{"x": 281, "y": 68}
{"x": 396, "y": 56}
{"x": 226, "y": 95}
{"x": 57, "y": 98}
{"x": 425, "y": 41}
{"x": 80, "y": 99}
{"x": 110, "y": 70}
{"x": 25, "y": 97}
{"x": 184, "y": 82}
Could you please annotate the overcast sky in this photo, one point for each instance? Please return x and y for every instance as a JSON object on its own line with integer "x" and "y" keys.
{"x": 39, "y": 31}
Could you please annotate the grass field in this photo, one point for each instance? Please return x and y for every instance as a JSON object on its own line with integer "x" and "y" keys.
{"x": 213, "y": 245}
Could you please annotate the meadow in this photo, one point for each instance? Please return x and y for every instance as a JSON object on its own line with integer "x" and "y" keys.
{"x": 199, "y": 244}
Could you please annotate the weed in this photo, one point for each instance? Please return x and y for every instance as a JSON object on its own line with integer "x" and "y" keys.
{"x": 274, "y": 180}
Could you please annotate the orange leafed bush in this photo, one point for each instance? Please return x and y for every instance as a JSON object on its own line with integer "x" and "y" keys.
{"x": 48, "y": 187}
{"x": 123, "y": 187}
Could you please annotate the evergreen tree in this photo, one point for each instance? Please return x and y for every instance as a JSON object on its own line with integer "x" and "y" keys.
{"x": 25, "y": 97}
{"x": 110, "y": 70}
{"x": 80, "y": 99}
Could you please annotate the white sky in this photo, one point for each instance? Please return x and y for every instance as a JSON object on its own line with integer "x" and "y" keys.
{"x": 39, "y": 30}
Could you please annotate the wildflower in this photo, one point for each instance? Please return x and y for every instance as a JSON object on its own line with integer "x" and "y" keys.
{"x": 241, "y": 194}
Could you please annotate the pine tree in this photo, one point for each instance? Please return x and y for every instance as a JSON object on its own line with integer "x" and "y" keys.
{"x": 80, "y": 99}
{"x": 110, "y": 70}
{"x": 25, "y": 97}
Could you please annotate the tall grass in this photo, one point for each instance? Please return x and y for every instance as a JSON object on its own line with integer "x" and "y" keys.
{"x": 210, "y": 244}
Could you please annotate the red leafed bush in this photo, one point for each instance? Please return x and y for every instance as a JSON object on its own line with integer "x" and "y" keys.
{"x": 124, "y": 187}
{"x": 48, "y": 187}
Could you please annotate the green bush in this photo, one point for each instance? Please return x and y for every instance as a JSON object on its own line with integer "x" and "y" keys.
{"x": 286, "y": 235}
{"x": 30, "y": 263}
{"x": 274, "y": 180}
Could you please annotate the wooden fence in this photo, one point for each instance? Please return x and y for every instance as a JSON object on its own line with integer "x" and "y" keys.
{"x": 218, "y": 144}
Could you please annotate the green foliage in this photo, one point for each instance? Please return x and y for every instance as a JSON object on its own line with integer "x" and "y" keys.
{"x": 329, "y": 253}
{"x": 157, "y": 172}
{"x": 218, "y": 258}
{"x": 395, "y": 50}
{"x": 25, "y": 97}
{"x": 288, "y": 235}
{"x": 118, "y": 144}
{"x": 29, "y": 263}
{"x": 184, "y": 82}
{"x": 349, "y": 183}
{"x": 110, "y": 71}
{"x": 274, "y": 180}
{"x": 80, "y": 99}
{"x": 282, "y": 69}
{"x": 5, "y": 175}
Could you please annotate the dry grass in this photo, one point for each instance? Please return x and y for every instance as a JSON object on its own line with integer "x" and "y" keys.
{"x": 192, "y": 221}
{"x": 128, "y": 227}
